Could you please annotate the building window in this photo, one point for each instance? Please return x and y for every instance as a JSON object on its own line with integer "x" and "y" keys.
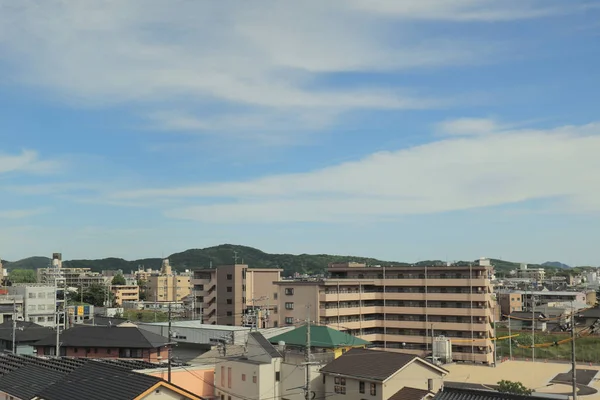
{"x": 373, "y": 389}
{"x": 229, "y": 289}
{"x": 222, "y": 376}
{"x": 275, "y": 309}
{"x": 361, "y": 387}
{"x": 289, "y": 320}
{"x": 289, "y": 291}
{"x": 340, "y": 381}
{"x": 277, "y": 376}
{"x": 229, "y": 301}
{"x": 275, "y": 295}
{"x": 340, "y": 389}
{"x": 229, "y": 377}
{"x": 229, "y": 277}
{"x": 289, "y": 306}
{"x": 74, "y": 349}
{"x": 229, "y": 313}
{"x": 254, "y": 379}
{"x": 243, "y": 377}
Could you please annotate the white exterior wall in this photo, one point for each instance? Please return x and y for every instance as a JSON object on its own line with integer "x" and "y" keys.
{"x": 293, "y": 379}
{"x": 39, "y": 303}
{"x": 199, "y": 335}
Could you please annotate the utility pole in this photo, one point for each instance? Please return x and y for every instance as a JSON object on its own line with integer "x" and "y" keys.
{"x": 573, "y": 360}
{"x": 14, "y": 327}
{"x": 308, "y": 354}
{"x": 58, "y": 334}
{"x": 509, "y": 339}
{"x": 169, "y": 349}
{"x": 532, "y": 327}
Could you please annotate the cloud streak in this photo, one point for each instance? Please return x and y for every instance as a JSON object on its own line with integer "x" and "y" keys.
{"x": 191, "y": 54}
{"x": 27, "y": 161}
{"x": 458, "y": 172}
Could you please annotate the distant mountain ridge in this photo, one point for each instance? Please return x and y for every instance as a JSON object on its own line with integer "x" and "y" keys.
{"x": 556, "y": 264}
{"x": 225, "y": 253}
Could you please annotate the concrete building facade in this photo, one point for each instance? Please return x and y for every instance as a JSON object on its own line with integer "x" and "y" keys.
{"x": 167, "y": 286}
{"x": 229, "y": 294}
{"x": 400, "y": 308}
{"x": 39, "y": 302}
{"x": 123, "y": 293}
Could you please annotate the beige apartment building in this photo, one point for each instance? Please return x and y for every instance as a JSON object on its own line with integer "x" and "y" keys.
{"x": 237, "y": 295}
{"x": 399, "y": 308}
{"x": 123, "y": 293}
{"x": 167, "y": 286}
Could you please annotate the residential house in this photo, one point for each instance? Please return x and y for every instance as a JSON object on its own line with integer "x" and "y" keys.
{"x": 381, "y": 375}
{"x": 255, "y": 375}
{"x": 399, "y": 307}
{"x": 122, "y": 341}
{"x": 27, "y": 378}
{"x": 587, "y": 317}
{"x": 520, "y": 321}
{"x": 326, "y": 343}
{"x": 26, "y": 335}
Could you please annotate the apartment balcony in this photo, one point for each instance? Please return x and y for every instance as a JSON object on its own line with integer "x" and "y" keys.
{"x": 435, "y": 282}
{"x": 325, "y": 296}
{"x": 438, "y": 326}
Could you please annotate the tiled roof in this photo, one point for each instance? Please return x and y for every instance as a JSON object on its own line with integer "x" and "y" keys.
{"x": 26, "y": 331}
{"x": 476, "y": 394}
{"x": 27, "y": 381}
{"x": 106, "y": 336}
{"x": 266, "y": 346}
{"x": 371, "y": 364}
{"x": 408, "y": 393}
{"x": 320, "y": 336}
{"x": 99, "y": 381}
{"x": 525, "y": 314}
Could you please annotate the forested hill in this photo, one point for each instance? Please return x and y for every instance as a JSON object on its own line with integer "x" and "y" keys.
{"x": 203, "y": 258}
{"x": 224, "y": 254}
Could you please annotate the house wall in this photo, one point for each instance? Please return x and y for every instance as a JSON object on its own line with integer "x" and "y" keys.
{"x": 415, "y": 375}
{"x": 293, "y": 379}
{"x": 198, "y": 381}
{"x": 152, "y": 355}
{"x": 6, "y": 396}
{"x": 303, "y": 295}
{"x": 162, "y": 393}
{"x": 244, "y": 378}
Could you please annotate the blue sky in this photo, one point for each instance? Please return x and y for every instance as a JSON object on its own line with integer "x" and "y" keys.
{"x": 395, "y": 129}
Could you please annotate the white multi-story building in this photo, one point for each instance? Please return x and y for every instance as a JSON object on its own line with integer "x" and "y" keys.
{"x": 39, "y": 302}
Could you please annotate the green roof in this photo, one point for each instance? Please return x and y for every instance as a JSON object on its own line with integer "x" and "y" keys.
{"x": 320, "y": 336}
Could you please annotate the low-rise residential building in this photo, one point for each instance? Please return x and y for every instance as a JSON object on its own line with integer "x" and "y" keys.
{"x": 535, "y": 274}
{"x": 237, "y": 295}
{"x": 125, "y": 341}
{"x": 11, "y": 306}
{"x": 28, "y": 378}
{"x": 26, "y": 335}
{"x": 326, "y": 343}
{"x": 167, "y": 285}
{"x": 123, "y": 293}
{"x": 522, "y": 320}
{"x": 39, "y": 302}
{"x": 381, "y": 375}
{"x": 455, "y": 393}
{"x": 509, "y": 302}
{"x": 541, "y": 297}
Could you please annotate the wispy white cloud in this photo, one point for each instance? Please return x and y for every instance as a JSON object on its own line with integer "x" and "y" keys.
{"x": 23, "y": 213}
{"x": 26, "y": 161}
{"x": 458, "y": 172}
{"x": 191, "y": 54}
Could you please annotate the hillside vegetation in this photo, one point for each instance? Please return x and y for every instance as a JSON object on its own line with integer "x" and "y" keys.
{"x": 224, "y": 254}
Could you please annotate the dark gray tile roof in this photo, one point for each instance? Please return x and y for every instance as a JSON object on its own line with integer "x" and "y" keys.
{"x": 106, "y": 336}
{"x": 266, "y": 346}
{"x": 476, "y": 394}
{"x": 26, "y": 331}
{"x": 99, "y": 381}
{"x": 408, "y": 393}
{"x": 26, "y": 382}
{"x": 368, "y": 364}
{"x": 527, "y": 315}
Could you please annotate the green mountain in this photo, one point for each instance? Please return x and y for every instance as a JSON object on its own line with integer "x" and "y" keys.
{"x": 226, "y": 253}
